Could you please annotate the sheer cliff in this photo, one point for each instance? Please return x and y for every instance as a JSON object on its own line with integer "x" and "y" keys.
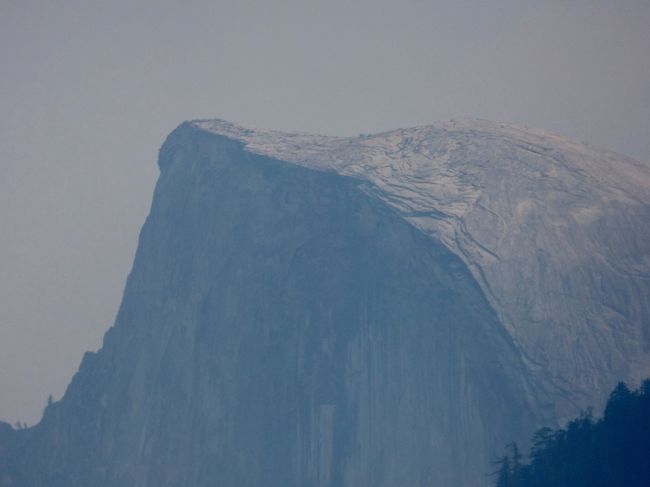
{"x": 372, "y": 311}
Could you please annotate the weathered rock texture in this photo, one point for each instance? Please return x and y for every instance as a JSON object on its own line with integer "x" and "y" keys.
{"x": 556, "y": 233}
{"x": 376, "y": 311}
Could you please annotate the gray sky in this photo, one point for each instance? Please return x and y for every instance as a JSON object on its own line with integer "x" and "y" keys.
{"x": 89, "y": 89}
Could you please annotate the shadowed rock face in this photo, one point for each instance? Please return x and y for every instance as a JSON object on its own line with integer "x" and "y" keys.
{"x": 378, "y": 311}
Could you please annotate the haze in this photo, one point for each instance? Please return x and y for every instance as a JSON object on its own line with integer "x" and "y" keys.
{"x": 90, "y": 90}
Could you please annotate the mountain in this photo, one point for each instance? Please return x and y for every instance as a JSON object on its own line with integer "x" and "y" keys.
{"x": 380, "y": 310}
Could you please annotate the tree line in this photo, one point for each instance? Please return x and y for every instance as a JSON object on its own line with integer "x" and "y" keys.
{"x": 611, "y": 451}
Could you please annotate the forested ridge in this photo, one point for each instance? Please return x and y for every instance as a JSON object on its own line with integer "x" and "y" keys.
{"x": 613, "y": 451}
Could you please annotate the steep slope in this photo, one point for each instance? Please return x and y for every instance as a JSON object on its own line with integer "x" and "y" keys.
{"x": 556, "y": 233}
{"x": 282, "y": 327}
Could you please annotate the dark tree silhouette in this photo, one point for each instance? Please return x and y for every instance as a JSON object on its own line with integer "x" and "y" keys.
{"x": 611, "y": 452}
{"x": 504, "y": 473}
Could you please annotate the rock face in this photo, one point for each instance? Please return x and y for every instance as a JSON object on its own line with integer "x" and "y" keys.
{"x": 375, "y": 311}
{"x": 556, "y": 233}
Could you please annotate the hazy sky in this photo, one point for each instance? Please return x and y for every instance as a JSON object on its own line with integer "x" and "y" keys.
{"x": 89, "y": 89}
